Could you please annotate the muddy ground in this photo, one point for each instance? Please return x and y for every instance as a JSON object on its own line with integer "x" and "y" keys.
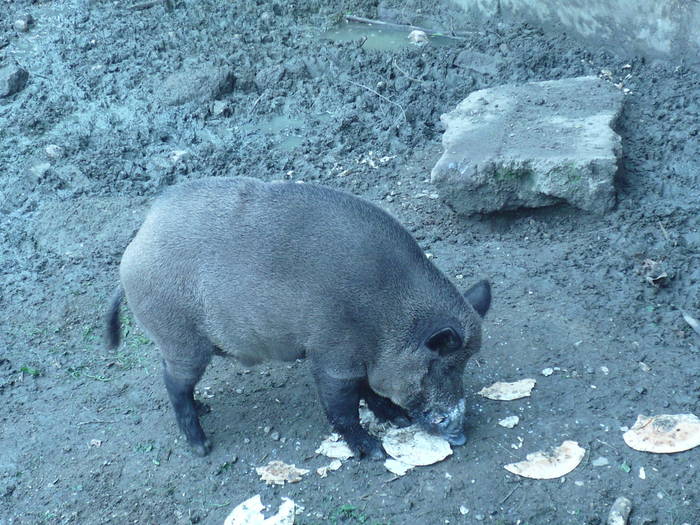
{"x": 87, "y": 435}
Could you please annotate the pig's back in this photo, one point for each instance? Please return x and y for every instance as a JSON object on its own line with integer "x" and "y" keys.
{"x": 265, "y": 266}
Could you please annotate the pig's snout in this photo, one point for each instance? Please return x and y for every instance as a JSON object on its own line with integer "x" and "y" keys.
{"x": 448, "y": 424}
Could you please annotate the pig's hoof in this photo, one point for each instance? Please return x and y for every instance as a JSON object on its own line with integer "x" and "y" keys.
{"x": 370, "y": 448}
{"x": 202, "y": 449}
{"x": 377, "y": 454}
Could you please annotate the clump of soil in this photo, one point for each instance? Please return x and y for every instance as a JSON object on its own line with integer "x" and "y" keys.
{"x": 107, "y": 119}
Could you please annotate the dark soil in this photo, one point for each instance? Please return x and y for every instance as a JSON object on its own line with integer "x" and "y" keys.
{"x": 88, "y": 436}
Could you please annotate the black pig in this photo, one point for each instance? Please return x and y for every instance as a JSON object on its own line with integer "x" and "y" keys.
{"x": 281, "y": 271}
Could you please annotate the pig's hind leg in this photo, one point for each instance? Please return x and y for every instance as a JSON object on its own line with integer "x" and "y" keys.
{"x": 183, "y": 366}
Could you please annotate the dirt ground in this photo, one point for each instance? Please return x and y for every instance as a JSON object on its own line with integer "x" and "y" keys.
{"x": 88, "y": 436}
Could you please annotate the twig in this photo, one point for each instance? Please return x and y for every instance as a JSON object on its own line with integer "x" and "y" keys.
{"x": 407, "y": 27}
{"x": 404, "y": 73}
{"x": 509, "y": 494}
{"x": 146, "y": 5}
{"x": 663, "y": 230}
{"x": 96, "y": 422}
{"x": 255, "y": 104}
{"x": 382, "y": 97}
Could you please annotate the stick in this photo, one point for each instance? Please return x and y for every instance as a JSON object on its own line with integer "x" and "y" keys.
{"x": 382, "y": 97}
{"x": 407, "y": 27}
{"x": 404, "y": 73}
{"x": 509, "y": 494}
{"x": 145, "y": 5}
{"x": 94, "y": 422}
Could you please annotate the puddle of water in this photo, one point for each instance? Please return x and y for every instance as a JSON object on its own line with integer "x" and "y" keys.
{"x": 378, "y": 38}
{"x": 284, "y": 130}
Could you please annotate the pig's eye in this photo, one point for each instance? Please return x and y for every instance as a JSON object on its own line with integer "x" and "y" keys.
{"x": 444, "y": 340}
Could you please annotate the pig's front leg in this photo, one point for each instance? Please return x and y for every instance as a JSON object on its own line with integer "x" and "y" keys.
{"x": 341, "y": 401}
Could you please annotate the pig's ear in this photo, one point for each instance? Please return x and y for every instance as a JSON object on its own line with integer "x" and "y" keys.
{"x": 479, "y": 296}
{"x": 443, "y": 340}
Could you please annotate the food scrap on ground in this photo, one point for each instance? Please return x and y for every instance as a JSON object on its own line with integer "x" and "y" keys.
{"x": 279, "y": 473}
{"x": 664, "y": 434}
{"x": 334, "y": 447}
{"x": 250, "y": 512}
{"x": 413, "y": 446}
{"x": 550, "y": 464}
{"x": 502, "y": 391}
{"x": 333, "y": 465}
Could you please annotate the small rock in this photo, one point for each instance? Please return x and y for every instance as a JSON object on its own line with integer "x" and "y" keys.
{"x": 24, "y": 22}
{"x": 509, "y": 422}
{"x": 220, "y": 108}
{"x": 644, "y": 367}
{"x": 275, "y": 435}
{"x": 600, "y": 462}
{"x": 418, "y": 37}
{"x": 12, "y": 80}
{"x": 21, "y": 26}
{"x": 53, "y": 151}
{"x": 547, "y": 372}
{"x": 267, "y": 430}
{"x": 619, "y": 512}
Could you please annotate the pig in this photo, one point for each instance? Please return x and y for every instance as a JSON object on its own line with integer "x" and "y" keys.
{"x": 234, "y": 266}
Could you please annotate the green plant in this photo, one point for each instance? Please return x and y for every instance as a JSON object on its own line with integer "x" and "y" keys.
{"x": 34, "y": 372}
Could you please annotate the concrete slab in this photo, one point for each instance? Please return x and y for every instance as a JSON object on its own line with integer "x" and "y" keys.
{"x": 531, "y": 145}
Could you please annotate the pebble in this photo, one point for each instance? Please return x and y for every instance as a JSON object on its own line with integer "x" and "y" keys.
{"x": 275, "y": 435}
{"x": 21, "y": 26}
{"x": 509, "y": 422}
{"x": 54, "y": 151}
{"x": 24, "y": 22}
{"x": 547, "y": 372}
{"x": 600, "y": 462}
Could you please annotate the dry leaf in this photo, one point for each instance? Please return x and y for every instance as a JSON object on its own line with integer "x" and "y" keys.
{"x": 250, "y": 513}
{"x": 279, "y": 473}
{"x": 413, "y": 446}
{"x": 334, "y": 447}
{"x": 664, "y": 434}
{"x": 550, "y": 464}
{"x": 508, "y": 391}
